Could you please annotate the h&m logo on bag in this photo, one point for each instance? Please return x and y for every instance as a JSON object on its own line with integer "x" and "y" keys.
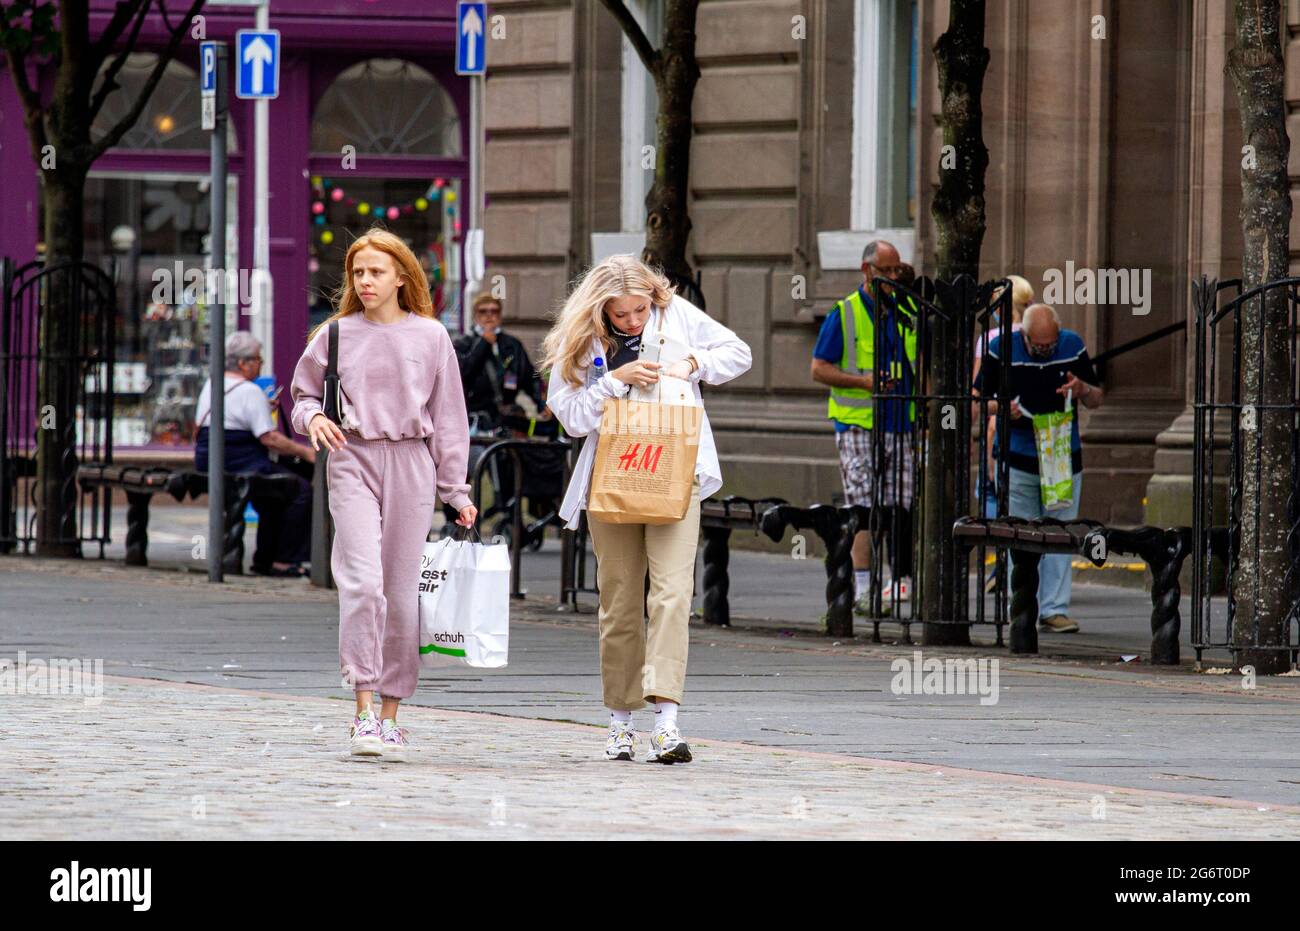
{"x": 649, "y": 458}
{"x": 429, "y": 579}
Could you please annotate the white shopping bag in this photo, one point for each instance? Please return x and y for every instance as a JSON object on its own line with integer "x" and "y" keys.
{"x": 464, "y": 603}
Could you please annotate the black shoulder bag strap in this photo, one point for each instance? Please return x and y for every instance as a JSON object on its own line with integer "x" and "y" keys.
{"x": 331, "y": 405}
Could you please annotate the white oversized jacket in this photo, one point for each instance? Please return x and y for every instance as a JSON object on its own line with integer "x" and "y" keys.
{"x": 722, "y": 356}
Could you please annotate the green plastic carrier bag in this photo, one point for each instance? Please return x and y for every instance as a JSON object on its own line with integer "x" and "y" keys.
{"x": 1055, "y": 467}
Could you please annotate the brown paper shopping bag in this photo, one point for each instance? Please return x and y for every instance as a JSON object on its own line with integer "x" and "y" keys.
{"x": 645, "y": 462}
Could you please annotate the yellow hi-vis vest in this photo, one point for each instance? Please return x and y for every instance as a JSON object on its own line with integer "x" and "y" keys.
{"x": 854, "y": 405}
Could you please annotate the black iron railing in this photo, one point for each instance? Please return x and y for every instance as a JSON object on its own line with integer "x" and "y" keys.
{"x": 54, "y": 405}
{"x": 1246, "y": 470}
{"x": 928, "y": 467}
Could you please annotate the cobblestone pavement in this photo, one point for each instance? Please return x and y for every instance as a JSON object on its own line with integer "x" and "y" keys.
{"x": 161, "y": 760}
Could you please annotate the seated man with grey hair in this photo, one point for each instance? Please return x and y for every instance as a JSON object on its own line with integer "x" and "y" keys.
{"x": 1047, "y": 366}
{"x": 283, "y": 533}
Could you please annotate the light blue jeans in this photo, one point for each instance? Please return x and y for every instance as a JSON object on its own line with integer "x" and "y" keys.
{"x": 1025, "y": 500}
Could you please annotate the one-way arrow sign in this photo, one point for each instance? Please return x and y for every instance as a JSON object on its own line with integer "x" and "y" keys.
{"x": 471, "y": 22}
{"x": 257, "y": 56}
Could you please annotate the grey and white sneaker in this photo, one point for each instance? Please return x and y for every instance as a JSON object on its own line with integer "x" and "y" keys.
{"x": 862, "y": 607}
{"x": 667, "y": 746}
{"x": 622, "y": 741}
{"x": 364, "y": 735}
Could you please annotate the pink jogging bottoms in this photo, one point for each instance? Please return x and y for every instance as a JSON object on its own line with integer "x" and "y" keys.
{"x": 382, "y": 498}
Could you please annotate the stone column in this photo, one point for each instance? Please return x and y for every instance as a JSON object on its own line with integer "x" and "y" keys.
{"x": 1213, "y": 235}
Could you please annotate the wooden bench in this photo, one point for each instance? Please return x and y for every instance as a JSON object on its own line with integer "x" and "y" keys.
{"x": 836, "y": 527}
{"x": 1029, "y": 540}
{"x": 718, "y": 518}
{"x": 141, "y": 483}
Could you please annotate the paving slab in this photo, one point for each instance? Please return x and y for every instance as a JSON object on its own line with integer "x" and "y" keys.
{"x": 1091, "y": 720}
{"x": 152, "y": 760}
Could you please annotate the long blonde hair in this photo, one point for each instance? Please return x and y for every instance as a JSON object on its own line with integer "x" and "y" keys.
{"x": 413, "y": 295}
{"x": 582, "y": 315}
{"x": 1022, "y": 295}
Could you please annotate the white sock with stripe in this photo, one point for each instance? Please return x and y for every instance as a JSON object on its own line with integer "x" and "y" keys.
{"x": 665, "y": 714}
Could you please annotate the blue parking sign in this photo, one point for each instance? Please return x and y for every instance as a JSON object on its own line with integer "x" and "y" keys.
{"x": 257, "y": 62}
{"x": 208, "y": 68}
{"x": 471, "y": 37}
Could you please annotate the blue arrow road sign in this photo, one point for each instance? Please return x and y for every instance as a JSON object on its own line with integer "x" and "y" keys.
{"x": 471, "y": 38}
{"x": 208, "y": 68}
{"x": 257, "y": 60}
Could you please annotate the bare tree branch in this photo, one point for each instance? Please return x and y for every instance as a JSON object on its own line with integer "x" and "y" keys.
{"x": 33, "y": 112}
{"x": 114, "y": 135}
{"x": 110, "y": 84}
{"x": 162, "y": 9}
{"x": 636, "y": 35}
{"x": 123, "y": 13}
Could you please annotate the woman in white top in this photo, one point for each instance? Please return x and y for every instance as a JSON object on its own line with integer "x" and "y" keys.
{"x": 592, "y": 354}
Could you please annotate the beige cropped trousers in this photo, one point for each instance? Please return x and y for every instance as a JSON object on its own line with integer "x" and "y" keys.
{"x": 639, "y": 661}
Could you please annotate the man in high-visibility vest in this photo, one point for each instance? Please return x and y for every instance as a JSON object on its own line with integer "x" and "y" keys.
{"x": 844, "y": 359}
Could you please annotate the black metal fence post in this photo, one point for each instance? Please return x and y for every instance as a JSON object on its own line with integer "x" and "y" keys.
{"x": 1024, "y": 601}
{"x": 716, "y": 581}
{"x": 8, "y": 477}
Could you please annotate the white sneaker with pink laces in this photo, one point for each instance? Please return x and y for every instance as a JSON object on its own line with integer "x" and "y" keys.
{"x": 364, "y": 735}
{"x": 394, "y": 741}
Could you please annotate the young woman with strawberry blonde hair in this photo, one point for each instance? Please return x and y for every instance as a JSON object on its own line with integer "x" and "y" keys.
{"x": 403, "y": 443}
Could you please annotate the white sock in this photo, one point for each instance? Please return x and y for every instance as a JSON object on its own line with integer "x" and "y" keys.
{"x": 862, "y": 580}
{"x": 665, "y": 714}
{"x": 622, "y": 717}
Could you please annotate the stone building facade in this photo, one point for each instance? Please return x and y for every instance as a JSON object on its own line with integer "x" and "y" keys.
{"x": 1113, "y": 138}
{"x": 1111, "y": 126}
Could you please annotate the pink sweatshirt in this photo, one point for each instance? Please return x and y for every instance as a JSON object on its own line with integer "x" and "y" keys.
{"x": 399, "y": 380}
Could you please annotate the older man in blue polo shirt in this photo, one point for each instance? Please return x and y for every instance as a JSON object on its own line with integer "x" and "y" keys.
{"x": 1048, "y": 366}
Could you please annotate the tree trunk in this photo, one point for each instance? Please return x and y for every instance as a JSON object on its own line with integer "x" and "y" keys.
{"x": 958, "y": 208}
{"x": 1262, "y": 591}
{"x": 668, "y": 222}
{"x": 56, "y": 452}
{"x": 60, "y": 129}
{"x": 958, "y": 213}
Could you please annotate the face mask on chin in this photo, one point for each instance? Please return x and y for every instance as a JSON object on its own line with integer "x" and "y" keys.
{"x": 1040, "y": 353}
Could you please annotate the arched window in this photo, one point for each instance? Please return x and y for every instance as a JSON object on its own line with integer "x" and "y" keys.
{"x": 172, "y": 119}
{"x": 387, "y": 106}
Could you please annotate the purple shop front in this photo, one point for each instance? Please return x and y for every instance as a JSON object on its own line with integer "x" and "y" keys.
{"x": 371, "y": 125}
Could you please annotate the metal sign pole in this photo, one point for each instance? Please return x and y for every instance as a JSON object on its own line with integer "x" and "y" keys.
{"x": 263, "y": 321}
{"x": 217, "y": 333}
{"x": 471, "y": 61}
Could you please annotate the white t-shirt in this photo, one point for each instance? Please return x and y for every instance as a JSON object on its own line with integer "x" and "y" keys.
{"x": 246, "y": 406}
